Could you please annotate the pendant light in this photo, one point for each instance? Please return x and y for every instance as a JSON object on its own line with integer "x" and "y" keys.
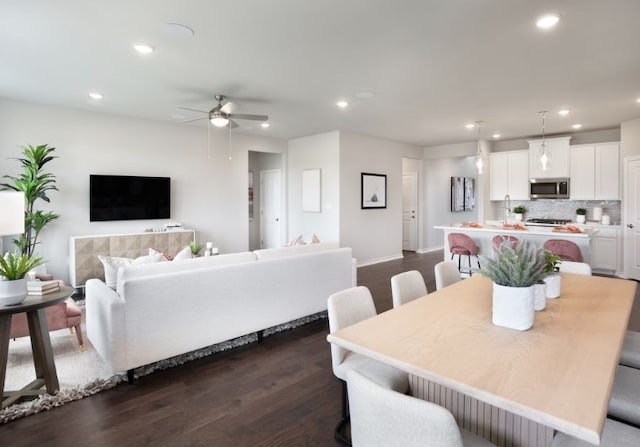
{"x": 544, "y": 157}
{"x": 479, "y": 160}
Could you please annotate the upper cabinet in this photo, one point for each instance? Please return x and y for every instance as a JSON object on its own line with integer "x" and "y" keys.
{"x": 509, "y": 174}
{"x": 595, "y": 171}
{"x": 558, "y": 149}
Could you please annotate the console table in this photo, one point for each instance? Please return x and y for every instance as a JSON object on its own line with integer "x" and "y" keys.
{"x": 84, "y": 250}
{"x": 34, "y": 306}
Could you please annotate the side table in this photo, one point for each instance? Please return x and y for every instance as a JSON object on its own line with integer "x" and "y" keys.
{"x": 45, "y": 367}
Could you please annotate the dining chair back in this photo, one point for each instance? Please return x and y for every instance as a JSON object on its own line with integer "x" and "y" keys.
{"x": 567, "y": 250}
{"x": 407, "y": 286}
{"x": 446, "y": 273}
{"x": 581, "y": 268}
{"x": 382, "y": 417}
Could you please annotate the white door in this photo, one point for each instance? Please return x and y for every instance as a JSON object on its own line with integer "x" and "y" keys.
{"x": 631, "y": 230}
{"x": 270, "y": 208}
{"x": 410, "y": 211}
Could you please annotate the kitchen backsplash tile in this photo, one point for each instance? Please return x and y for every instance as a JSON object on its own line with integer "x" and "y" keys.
{"x": 561, "y": 209}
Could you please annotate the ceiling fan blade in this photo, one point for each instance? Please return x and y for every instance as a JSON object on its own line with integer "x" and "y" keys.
{"x": 233, "y": 124}
{"x": 192, "y": 110}
{"x": 194, "y": 119}
{"x": 229, "y": 107}
{"x": 243, "y": 116}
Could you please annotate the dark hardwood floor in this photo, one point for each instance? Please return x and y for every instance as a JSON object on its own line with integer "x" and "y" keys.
{"x": 278, "y": 393}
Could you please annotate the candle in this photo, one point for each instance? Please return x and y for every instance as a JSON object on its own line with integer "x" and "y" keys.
{"x": 209, "y": 245}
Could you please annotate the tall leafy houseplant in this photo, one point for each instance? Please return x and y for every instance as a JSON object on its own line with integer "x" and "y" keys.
{"x": 36, "y": 184}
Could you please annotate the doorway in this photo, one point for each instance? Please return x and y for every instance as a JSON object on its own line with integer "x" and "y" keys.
{"x": 258, "y": 162}
{"x": 411, "y": 169}
{"x": 631, "y": 228}
{"x": 270, "y": 209}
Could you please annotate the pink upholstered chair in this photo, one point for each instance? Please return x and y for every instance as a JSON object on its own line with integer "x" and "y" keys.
{"x": 502, "y": 238}
{"x": 567, "y": 250}
{"x": 462, "y": 245}
{"x": 59, "y": 316}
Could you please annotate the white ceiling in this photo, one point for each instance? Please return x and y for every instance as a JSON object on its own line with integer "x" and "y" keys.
{"x": 433, "y": 65}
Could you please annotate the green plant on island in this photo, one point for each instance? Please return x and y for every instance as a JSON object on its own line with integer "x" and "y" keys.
{"x": 195, "y": 248}
{"x": 14, "y": 266}
{"x": 581, "y": 211}
{"x": 522, "y": 265}
{"x": 519, "y": 209}
{"x": 35, "y": 184}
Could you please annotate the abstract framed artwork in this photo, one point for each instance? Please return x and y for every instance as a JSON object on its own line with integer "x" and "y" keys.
{"x": 463, "y": 194}
{"x": 373, "y": 190}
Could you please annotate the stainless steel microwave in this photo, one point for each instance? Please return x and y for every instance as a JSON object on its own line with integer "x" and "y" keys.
{"x": 549, "y": 188}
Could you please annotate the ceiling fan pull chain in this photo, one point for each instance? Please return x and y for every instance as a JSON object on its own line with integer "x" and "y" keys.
{"x": 208, "y": 140}
{"x": 230, "y": 140}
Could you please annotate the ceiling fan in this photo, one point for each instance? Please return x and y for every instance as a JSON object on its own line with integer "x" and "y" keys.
{"x": 222, "y": 115}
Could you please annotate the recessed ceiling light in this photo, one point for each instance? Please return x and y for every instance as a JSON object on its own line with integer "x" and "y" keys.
{"x": 265, "y": 125}
{"x": 342, "y": 104}
{"x": 496, "y": 135}
{"x": 564, "y": 112}
{"x": 96, "y": 95}
{"x": 577, "y": 126}
{"x": 638, "y": 100}
{"x": 178, "y": 30}
{"x": 470, "y": 126}
{"x": 547, "y": 21}
{"x": 143, "y": 48}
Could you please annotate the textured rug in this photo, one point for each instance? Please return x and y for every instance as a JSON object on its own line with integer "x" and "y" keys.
{"x": 83, "y": 373}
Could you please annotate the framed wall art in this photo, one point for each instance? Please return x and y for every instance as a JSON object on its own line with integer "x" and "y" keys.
{"x": 373, "y": 190}
{"x": 463, "y": 194}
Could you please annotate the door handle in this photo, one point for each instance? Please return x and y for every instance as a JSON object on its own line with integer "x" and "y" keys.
{"x": 630, "y": 225}
{"x": 277, "y": 219}
{"x": 413, "y": 217}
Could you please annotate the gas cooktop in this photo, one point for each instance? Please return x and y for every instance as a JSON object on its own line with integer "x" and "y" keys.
{"x": 547, "y": 222}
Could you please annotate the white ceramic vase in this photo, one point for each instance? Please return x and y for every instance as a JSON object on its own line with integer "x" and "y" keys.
{"x": 518, "y": 217}
{"x": 540, "y": 296}
{"x": 513, "y": 307}
{"x": 13, "y": 292}
{"x": 581, "y": 218}
{"x": 553, "y": 282}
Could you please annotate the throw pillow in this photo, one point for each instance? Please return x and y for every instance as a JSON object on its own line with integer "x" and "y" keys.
{"x": 154, "y": 251}
{"x": 315, "y": 239}
{"x": 183, "y": 254}
{"x": 111, "y": 264}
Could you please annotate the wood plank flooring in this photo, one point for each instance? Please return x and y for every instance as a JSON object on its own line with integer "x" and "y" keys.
{"x": 278, "y": 393}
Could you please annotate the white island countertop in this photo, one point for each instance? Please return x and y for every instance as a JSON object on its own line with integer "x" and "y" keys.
{"x": 522, "y": 230}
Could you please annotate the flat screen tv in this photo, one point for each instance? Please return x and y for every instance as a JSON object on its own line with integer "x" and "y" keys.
{"x": 123, "y": 197}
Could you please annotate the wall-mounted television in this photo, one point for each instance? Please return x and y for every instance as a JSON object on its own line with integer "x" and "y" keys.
{"x": 124, "y": 197}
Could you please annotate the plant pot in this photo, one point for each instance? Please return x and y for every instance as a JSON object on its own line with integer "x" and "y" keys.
{"x": 540, "y": 292}
{"x": 553, "y": 282}
{"x": 13, "y": 292}
{"x": 518, "y": 217}
{"x": 581, "y": 218}
{"x": 513, "y": 307}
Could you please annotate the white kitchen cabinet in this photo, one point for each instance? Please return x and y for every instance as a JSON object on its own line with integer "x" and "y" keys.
{"x": 595, "y": 172}
{"x": 605, "y": 250}
{"x": 558, "y": 149}
{"x": 509, "y": 174}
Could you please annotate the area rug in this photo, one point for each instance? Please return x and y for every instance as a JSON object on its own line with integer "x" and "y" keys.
{"x": 84, "y": 373}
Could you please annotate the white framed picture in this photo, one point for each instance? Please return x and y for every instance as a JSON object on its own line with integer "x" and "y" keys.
{"x": 373, "y": 191}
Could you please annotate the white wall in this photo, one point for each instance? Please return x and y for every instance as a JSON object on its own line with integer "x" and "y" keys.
{"x": 322, "y": 152}
{"x": 373, "y": 234}
{"x": 586, "y": 137}
{"x": 209, "y": 193}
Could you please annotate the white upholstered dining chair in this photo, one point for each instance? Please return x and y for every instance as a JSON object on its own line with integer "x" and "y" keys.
{"x": 446, "y": 273}
{"x": 381, "y": 417}
{"x": 345, "y": 308}
{"x": 624, "y": 404}
{"x": 407, "y": 286}
{"x": 614, "y": 434}
{"x": 580, "y": 268}
{"x": 630, "y": 355}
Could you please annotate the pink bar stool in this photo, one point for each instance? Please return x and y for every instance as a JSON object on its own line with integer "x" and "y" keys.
{"x": 567, "y": 250}
{"x": 503, "y": 238}
{"x": 462, "y": 245}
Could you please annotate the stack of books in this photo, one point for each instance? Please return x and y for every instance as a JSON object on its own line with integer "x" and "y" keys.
{"x": 42, "y": 287}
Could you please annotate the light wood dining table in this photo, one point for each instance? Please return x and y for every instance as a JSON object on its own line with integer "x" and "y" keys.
{"x": 511, "y": 387}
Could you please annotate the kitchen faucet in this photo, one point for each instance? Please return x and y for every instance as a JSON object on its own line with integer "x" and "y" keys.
{"x": 507, "y": 208}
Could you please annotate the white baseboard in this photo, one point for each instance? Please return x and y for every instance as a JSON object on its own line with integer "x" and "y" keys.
{"x": 379, "y": 260}
{"x": 429, "y": 250}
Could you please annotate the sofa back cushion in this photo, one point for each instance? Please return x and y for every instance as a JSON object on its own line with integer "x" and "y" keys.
{"x": 282, "y": 252}
{"x": 162, "y": 268}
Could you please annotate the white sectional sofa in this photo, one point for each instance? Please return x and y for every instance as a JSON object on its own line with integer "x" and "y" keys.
{"x": 169, "y": 308}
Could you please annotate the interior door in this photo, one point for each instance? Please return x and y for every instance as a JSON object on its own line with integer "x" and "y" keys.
{"x": 410, "y": 211}
{"x": 631, "y": 229}
{"x": 270, "y": 208}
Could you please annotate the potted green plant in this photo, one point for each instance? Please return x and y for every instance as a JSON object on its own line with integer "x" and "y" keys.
{"x": 36, "y": 184}
{"x": 195, "y": 248}
{"x": 13, "y": 268}
{"x": 552, "y": 277}
{"x": 514, "y": 271}
{"x": 581, "y": 215}
{"x": 518, "y": 212}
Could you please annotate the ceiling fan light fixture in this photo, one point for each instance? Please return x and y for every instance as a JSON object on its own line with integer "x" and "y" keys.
{"x": 219, "y": 121}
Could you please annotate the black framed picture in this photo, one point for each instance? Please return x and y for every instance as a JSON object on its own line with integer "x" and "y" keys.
{"x": 373, "y": 190}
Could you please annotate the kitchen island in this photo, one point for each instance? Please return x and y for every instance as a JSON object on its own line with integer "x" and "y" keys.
{"x": 483, "y": 234}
